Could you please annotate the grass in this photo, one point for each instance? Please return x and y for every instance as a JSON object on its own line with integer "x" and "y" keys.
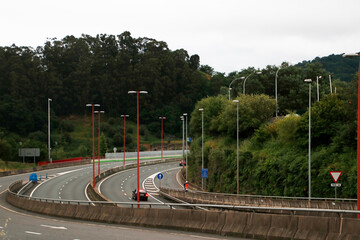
{"x": 10, "y": 166}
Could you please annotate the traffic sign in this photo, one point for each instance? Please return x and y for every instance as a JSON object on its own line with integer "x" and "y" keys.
{"x": 336, "y": 184}
{"x": 335, "y": 175}
{"x": 160, "y": 176}
{"x": 204, "y": 173}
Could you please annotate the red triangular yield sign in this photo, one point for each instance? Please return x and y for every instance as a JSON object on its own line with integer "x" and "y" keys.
{"x": 335, "y": 175}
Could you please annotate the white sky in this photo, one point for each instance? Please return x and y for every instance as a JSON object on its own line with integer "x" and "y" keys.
{"x": 228, "y": 35}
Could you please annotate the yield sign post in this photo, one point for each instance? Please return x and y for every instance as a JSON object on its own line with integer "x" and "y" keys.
{"x": 335, "y": 176}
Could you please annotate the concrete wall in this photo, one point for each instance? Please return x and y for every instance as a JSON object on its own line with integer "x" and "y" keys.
{"x": 240, "y": 224}
{"x": 204, "y": 198}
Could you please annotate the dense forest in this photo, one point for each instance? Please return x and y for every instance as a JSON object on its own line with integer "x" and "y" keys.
{"x": 102, "y": 69}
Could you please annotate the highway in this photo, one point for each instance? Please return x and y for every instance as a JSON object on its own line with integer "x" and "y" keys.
{"x": 69, "y": 183}
{"x": 118, "y": 187}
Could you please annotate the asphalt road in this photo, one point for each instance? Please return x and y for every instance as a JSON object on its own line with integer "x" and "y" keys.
{"x": 69, "y": 183}
{"x": 118, "y": 187}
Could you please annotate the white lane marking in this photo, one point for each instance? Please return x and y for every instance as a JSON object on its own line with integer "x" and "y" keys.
{"x": 58, "y": 174}
{"x": 112, "y": 175}
{"x": 53, "y": 227}
{"x": 86, "y": 195}
{"x": 34, "y": 233}
{"x": 1, "y": 227}
{"x": 152, "y": 177}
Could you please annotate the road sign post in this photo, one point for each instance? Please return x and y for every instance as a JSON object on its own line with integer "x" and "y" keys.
{"x": 335, "y": 176}
{"x": 160, "y": 176}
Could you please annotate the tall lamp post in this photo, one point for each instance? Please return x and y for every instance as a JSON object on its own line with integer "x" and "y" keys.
{"x": 237, "y": 145}
{"x": 309, "y": 81}
{"x": 99, "y": 112}
{"x": 138, "y": 152}
{"x": 247, "y": 78}
{"x": 162, "y": 135}
{"x": 358, "y": 134}
{"x": 232, "y": 83}
{"x": 183, "y": 129}
{"x": 92, "y": 105}
{"x": 186, "y": 146}
{"x": 124, "y": 116}
{"x": 317, "y": 87}
{"x": 202, "y": 146}
{"x": 49, "y": 146}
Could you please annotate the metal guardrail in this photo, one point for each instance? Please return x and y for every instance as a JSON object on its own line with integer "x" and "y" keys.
{"x": 172, "y": 205}
{"x": 275, "y": 197}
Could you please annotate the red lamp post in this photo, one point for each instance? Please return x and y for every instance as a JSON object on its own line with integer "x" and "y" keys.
{"x": 99, "y": 141}
{"x": 162, "y": 133}
{"x": 124, "y": 116}
{"x": 92, "y": 105}
{"x": 138, "y": 152}
{"x": 358, "y": 135}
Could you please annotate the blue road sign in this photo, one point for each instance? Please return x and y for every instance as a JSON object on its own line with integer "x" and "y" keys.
{"x": 204, "y": 173}
{"x": 160, "y": 176}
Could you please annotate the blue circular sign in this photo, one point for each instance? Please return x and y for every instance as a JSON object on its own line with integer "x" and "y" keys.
{"x": 160, "y": 176}
{"x": 33, "y": 177}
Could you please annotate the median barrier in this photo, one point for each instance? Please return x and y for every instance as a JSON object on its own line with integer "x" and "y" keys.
{"x": 350, "y": 229}
{"x": 310, "y": 227}
{"x": 180, "y": 220}
{"x": 282, "y": 227}
{"x": 258, "y": 225}
{"x": 235, "y": 223}
{"x": 214, "y": 222}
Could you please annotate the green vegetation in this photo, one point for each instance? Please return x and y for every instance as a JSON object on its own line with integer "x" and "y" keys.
{"x": 273, "y": 155}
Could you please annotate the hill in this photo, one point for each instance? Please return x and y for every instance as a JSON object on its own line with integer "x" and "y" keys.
{"x": 341, "y": 68}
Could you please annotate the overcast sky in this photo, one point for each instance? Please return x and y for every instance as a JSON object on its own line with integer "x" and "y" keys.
{"x": 228, "y": 35}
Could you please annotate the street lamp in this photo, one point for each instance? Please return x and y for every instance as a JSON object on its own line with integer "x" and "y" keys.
{"x": 99, "y": 112}
{"x": 186, "y": 146}
{"x": 237, "y": 145}
{"x": 92, "y": 105}
{"x": 183, "y": 129}
{"x": 247, "y": 78}
{"x": 49, "y": 147}
{"x": 232, "y": 83}
{"x": 309, "y": 81}
{"x": 162, "y": 132}
{"x": 124, "y": 116}
{"x": 202, "y": 146}
{"x": 138, "y": 152}
{"x": 358, "y": 135}
{"x": 317, "y": 87}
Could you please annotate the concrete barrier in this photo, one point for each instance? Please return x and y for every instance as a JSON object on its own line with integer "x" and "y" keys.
{"x": 282, "y": 227}
{"x": 235, "y": 223}
{"x": 214, "y": 222}
{"x": 258, "y": 225}
{"x": 310, "y": 227}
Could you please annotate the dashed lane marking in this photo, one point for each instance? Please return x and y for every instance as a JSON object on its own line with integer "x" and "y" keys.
{"x": 54, "y": 227}
{"x": 34, "y": 233}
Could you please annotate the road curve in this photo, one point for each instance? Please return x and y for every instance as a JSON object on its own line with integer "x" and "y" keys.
{"x": 20, "y": 224}
{"x": 118, "y": 187}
